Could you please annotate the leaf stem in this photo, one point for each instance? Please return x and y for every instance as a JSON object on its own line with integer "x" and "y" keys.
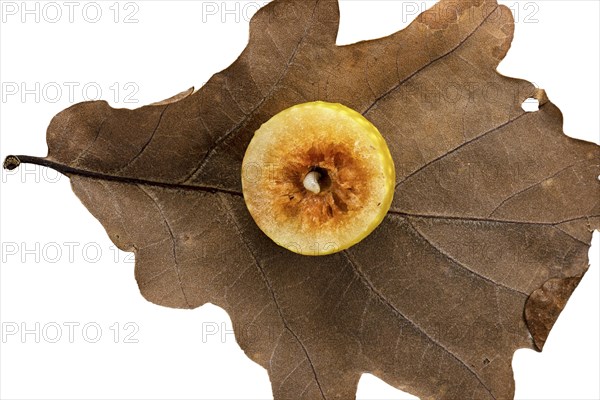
{"x": 11, "y": 162}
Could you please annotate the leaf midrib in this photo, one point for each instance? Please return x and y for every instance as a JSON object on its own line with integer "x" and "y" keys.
{"x": 68, "y": 171}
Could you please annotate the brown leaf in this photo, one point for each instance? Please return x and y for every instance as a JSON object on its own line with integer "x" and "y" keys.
{"x": 545, "y": 305}
{"x": 487, "y": 236}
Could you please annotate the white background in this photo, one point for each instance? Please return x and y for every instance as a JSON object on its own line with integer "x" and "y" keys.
{"x": 169, "y": 49}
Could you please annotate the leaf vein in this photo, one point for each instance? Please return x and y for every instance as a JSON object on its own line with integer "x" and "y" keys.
{"x": 269, "y": 287}
{"x": 398, "y": 313}
{"x": 252, "y": 112}
{"x": 145, "y": 145}
{"x": 399, "y": 213}
{"x": 173, "y": 243}
{"x": 402, "y": 82}
{"x": 458, "y": 263}
{"x": 512, "y": 196}
{"x": 468, "y": 142}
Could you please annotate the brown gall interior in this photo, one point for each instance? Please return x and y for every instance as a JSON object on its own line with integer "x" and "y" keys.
{"x": 343, "y": 182}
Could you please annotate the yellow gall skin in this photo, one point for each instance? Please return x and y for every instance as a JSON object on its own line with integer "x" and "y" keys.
{"x": 318, "y": 178}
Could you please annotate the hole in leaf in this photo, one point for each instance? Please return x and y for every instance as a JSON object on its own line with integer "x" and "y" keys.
{"x": 530, "y": 105}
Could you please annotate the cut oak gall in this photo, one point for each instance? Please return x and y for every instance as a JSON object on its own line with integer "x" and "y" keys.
{"x": 318, "y": 178}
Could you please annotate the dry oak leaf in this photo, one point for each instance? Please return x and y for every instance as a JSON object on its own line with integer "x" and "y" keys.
{"x": 487, "y": 237}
